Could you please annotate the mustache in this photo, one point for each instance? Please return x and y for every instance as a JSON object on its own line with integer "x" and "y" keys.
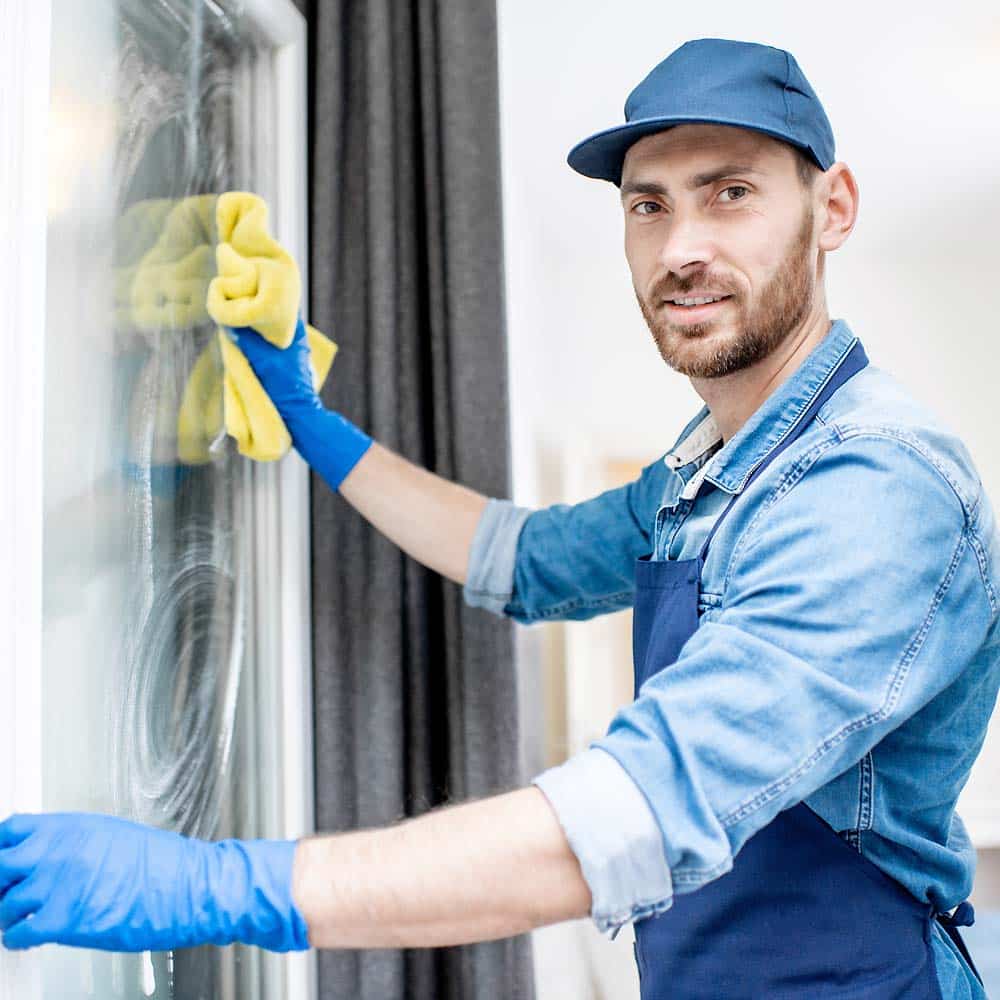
{"x": 665, "y": 289}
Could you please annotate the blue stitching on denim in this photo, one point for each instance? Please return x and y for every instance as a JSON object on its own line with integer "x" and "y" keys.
{"x": 810, "y": 392}
{"x": 984, "y": 571}
{"x": 848, "y": 432}
{"x": 576, "y": 603}
{"x": 698, "y": 876}
{"x": 866, "y": 794}
{"x": 789, "y": 477}
{"x": 895, "y": 685}
{"x": 845, "y": 432}
{"x": 852, "y": 837}
{"x": 615, "y": 922}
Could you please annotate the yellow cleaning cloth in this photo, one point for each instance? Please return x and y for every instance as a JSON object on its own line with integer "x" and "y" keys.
{"x": 257, "y": 285}
{"x": 171, "y": 279}
{"x": 136, "y": 231}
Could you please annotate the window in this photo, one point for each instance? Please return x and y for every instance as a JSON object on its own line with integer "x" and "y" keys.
{"x": 159, "y": 652}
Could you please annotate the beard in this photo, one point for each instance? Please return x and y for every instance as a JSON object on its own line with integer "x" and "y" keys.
{"x": 785, "y": 301}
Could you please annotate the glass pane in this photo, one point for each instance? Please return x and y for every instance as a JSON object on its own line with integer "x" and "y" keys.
{"x": 147, "y": 687}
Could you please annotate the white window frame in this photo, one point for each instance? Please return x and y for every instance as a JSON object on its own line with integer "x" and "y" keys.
{"x": 281, "y": 491}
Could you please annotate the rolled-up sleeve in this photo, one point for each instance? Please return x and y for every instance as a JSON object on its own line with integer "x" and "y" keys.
{"x": 489, "y": 580}
{"x": 614, "y": 835}
{"x": 837, "y": 622}
{"x": 565, "y": 561}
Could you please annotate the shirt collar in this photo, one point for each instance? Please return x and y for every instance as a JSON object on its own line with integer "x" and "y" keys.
{"x": 768, "y": 425}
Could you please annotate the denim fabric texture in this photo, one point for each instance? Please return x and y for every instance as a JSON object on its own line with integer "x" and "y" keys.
{"x": 848, "y": 652}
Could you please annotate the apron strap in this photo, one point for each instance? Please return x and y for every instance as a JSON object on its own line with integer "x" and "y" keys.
{"x": 853, "y": 361}
{"x": 964, "y": 916}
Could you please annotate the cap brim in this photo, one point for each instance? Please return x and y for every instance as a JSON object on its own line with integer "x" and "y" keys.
{"x": 601, "y": 155}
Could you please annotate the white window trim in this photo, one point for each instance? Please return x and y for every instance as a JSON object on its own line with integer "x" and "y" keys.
{"x": 24, "y": 107}
{"x": 281, "y": 492}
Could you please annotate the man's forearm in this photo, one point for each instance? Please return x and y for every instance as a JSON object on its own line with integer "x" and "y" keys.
{"x": 474, "y": 872}
{"x": 430, "y": 518}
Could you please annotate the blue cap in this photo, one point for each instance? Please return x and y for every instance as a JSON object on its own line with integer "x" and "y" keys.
{"x": 715, "y": 80}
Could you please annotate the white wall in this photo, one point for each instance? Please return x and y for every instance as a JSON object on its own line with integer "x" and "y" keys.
{"x": 914, "y": 100}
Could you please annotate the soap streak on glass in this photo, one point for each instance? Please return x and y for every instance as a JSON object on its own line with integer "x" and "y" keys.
{"x": 183, "y": 650}
{"x": 149, "y": 695}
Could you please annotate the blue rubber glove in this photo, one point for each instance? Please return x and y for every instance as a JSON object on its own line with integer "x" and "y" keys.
{"x": 96, "y": 881}
{"x": 331, "y": 444}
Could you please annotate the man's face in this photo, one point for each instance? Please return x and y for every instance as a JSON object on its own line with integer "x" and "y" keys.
{"x": 746, "y": 234}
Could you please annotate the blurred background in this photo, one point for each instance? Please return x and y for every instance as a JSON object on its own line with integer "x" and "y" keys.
{"x": 913, "y": 96}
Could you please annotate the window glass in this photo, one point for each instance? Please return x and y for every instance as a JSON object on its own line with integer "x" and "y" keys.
{"x": 148, "y": 691}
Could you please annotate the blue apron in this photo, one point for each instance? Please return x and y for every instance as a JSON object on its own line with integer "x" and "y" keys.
{"x": 801, "y": 913}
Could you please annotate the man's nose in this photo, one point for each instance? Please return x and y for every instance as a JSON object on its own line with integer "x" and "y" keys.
{"x": 687, "y": 241}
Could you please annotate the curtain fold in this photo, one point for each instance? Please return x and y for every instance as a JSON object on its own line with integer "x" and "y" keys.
{"x": 415, "y": 694}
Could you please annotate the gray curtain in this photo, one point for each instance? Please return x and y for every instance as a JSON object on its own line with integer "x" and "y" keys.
{"x": 415, "y": 693}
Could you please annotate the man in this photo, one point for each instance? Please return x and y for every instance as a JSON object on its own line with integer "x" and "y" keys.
{"x": 816, "y": 639}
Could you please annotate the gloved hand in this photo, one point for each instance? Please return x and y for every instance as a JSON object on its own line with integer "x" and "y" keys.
{"x": 331, "y": 444}
{"x": 96, "y": 881}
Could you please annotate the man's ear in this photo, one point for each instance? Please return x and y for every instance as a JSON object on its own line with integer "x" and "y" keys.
{"x": 839, "y": 204}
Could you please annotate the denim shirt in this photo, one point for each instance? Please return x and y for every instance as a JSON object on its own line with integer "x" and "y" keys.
{"x": 847, "y": 655}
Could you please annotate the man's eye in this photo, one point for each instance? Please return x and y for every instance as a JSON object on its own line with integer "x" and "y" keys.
{"x": 736, "y": 187}
{"x": 639, "y": 205}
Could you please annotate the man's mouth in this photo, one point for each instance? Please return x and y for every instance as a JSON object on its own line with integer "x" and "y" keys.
{"x": 691, "y": 301}
{"x": 696, "y": 307}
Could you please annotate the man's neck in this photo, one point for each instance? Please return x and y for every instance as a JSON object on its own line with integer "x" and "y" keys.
{"x": 734, "y": 398}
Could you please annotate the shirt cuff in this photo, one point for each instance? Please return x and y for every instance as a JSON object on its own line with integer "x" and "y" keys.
{"x": 489, "y": 577}
{"x": 614, "y": 835}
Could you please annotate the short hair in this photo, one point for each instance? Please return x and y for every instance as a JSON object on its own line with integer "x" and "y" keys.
{"x": 806, "y": 167}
